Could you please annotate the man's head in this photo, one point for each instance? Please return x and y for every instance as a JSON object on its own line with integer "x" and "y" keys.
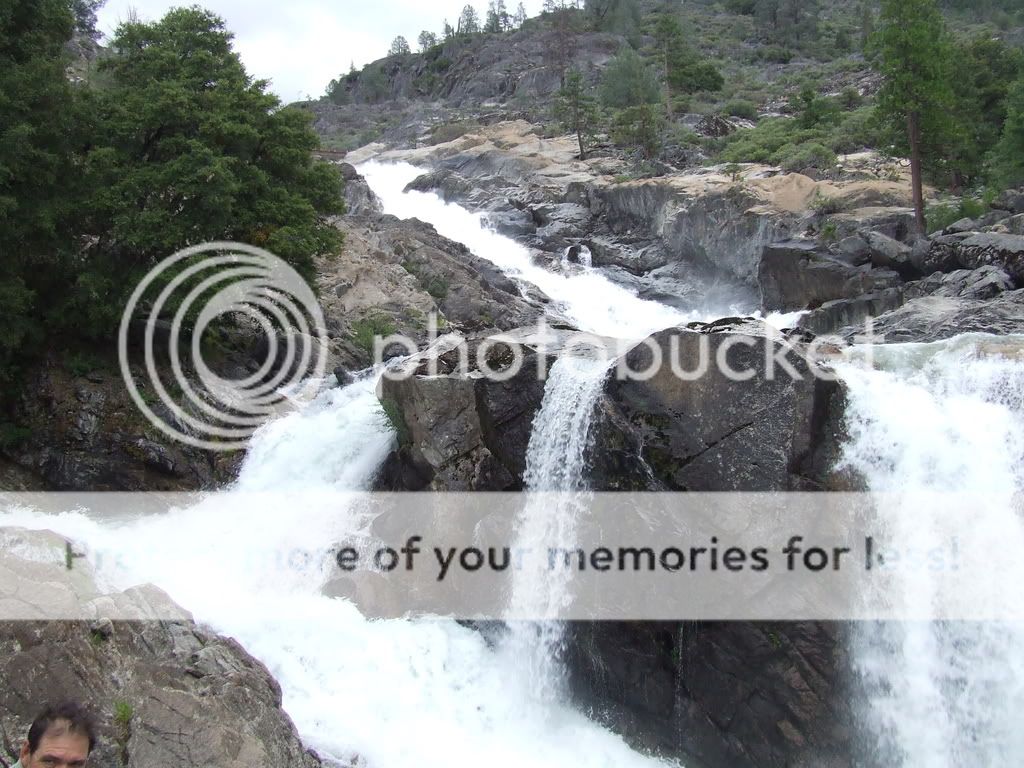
{"x": 62, "y": 736}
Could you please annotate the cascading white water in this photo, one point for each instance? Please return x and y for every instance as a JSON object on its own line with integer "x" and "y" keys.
{"x": 434, "y": 693}
{"x": 398, "y": 693}
{"x": 579, "y": 254}
{"x": 586, "y": 298}
{"x": 555, "y": 463}
{"x": 946, "y": 417}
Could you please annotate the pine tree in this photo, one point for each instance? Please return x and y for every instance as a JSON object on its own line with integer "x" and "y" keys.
{"x": 492, "y": 24}
{"x": 629, "y": 82}
{"x": 915, "y": 58}
{"x": 399, "y": 47}
{"x": 577, "y": 110}
{"x": 504, "y": 18}
{"x": 1007, "y": 161}
{"x": 520, "y": 17}
{"x": 427, "y": 40}
{"x": 469, "y": 21}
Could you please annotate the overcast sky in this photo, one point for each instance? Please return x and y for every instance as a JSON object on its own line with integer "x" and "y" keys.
{"x": 301, "y": 44}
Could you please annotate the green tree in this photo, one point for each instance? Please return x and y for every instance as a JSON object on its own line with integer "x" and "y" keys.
{"x": 37, "y": 176}
{"x": 986, "y": 70}
{"x": 915, "y": 56}
{"x": 186, "y": 147}
{"x": 629, "y": 82}
{"x": 469, "y": 21}
{"x": 399, "y": 47}
{"x": 813, "y": 109}
{"x": 85, "y": 16}
{"x": 639, "y": 128}
{"x": 427, "y": 40}
{"x": 1006, "y": 165}
{"x": 681, "y": 67}
{"x": 577, "y": 110}
{"x": 519, "y": 17}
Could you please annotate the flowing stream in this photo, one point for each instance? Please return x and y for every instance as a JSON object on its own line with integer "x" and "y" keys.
{"x": 945, "y": 417}
{"x": 432, "y": 693}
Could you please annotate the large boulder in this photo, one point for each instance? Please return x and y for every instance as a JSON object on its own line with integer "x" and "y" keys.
{"x": 983, "y": 283}
{"x": 360, "y": 200}
{"x": 459, "y": 429}
{"x": 972, "y": 250}
{"x": 1012, "y": 200}
{"x": 166, "y": 692}
{"x": 797, "y": 275}
{"x": 888, "y": 253}
{"x": 1003, "y": 251}
{"x": 773, "y": 431}
{"x": 832, "y": 316}
{"x": 933, "y": 318}
{"x": 719, "y": 694}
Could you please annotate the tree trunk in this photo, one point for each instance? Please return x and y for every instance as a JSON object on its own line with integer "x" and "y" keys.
{"x": 914, "y": 134}
{"x": 583, "y": 152}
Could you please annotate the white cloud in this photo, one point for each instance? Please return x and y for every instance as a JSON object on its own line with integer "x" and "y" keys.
{"x": 299, "y": 45}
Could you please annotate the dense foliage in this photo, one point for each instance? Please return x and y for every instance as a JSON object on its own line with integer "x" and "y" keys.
{"x": 178, "y": 146}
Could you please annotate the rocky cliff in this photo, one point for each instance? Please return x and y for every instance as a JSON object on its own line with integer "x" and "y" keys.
{"x": 724, "y": 694}
{"x": 165, "y": 692}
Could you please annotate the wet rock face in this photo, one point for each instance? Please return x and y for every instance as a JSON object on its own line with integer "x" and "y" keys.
{"x": 458, "y": 431}
{"x": 85, "y": 433}
{"x": 771, "y": 432}
{"x": 798, "y": 275}
{"x": 359, "y": 198}
{"x": 194, "y": 699}
{"x": 737, "y": 694}
{"x": 933, "y": 318}
{"x": 727, "y": 695}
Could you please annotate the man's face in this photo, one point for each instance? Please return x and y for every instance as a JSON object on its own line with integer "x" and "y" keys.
{"x": 59, "y": 748}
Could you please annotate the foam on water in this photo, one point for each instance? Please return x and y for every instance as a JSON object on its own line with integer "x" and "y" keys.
{"x": 946, "y": 417}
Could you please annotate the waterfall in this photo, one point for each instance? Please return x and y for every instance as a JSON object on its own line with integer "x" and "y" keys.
{"x": 578, "y": 254}
{"x": 945, "y": 417}
{"x": 555, "y": 467}
{"x": 397, "y": 692}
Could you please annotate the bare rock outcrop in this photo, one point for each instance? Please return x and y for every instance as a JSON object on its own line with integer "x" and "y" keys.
{"x": 166, "y": 692}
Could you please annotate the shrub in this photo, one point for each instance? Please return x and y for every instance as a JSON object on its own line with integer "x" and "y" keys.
{"x": 393, "y": 413}
{"x": 941, "y": 215}
{"x": 793, "y": 157}
{"x": 442, "y": 134}
{"x": 639, "y": 128}
{"x": 775, "y": 54}
{"x": 741, "y": 108}
{"x": 826, "y": 206}
{"x": 629, "y": 82}
{"x": 366, "y": 331}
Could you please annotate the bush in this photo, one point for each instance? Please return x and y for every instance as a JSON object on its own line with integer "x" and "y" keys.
{"x": 629, "y": 82}
{"x": 793, "y": 157}
{"x": 775, "y": 54}
{"x": 826, "y": 206}
{"x": 366, "y": 331}
{"x": 639, "y": 128}
{"x": 741, "y": 108}
{"x": 442, "y": 134}
{"x": 941, "y": 215}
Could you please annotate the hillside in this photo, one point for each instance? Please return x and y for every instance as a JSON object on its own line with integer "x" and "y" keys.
{"x": 769, "y": 55}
